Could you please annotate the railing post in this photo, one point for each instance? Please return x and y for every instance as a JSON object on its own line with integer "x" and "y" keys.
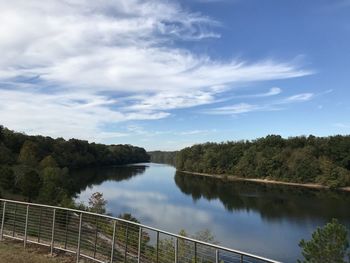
{"x": 79, "y": 236}
{"x": 113, "y": 239}
{"x": 157, "y": 246}
{"x": 126, "y": 243}
{"x": 195, "y": 252}
{"x": 176, "y": 249}
{"x": 96, "y": 232}
{"x": 216, "y": 256}
{"x": 139, "y": 247}
{"x": 241, "y": 258}
{"x": 39, "y": 228}
{"x": 66, "y": 233}
{"x": 26, "y": 228}
{"x": 14, "y": 221}
{"x": 3, "y": 221}
{"x": 53, "y": 231}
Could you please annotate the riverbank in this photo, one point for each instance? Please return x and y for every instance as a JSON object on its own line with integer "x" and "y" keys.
{"x": 264, "y": 181}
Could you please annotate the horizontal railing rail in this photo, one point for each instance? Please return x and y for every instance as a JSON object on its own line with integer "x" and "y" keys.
{"x": 103, "y": 238}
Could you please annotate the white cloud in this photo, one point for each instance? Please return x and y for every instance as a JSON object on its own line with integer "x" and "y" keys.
{"x": 272, "y": 92}
{"x": 272, "y": 106}
{"x": 70, "y": 67}
{"x": 196, "y": 132}
{"x": 234, "y": 109}
{"x": 299, "y": 97}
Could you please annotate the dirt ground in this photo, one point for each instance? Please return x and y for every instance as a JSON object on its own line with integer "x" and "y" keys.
{"x": 13, "y": 252}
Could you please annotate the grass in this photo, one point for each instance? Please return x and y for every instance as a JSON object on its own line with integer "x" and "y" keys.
{"x": 11, "y": 251}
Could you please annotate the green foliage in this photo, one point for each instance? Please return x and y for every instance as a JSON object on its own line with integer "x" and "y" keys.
{"x": 42, "y": 163}
{"x": 129, "y": 217}
{"x": 52, "y": 191}
{"x": 30, "y": 150}
{"x": 205, "y": 236}
{"x": 298, "y": 159}
{"x": 327, "y": 245}
{"x": 48, "y": 161}
{"x": 97, "y": 204}
{"x": 167, "y": 247}
{"x": 29, "y": 154}
{"x": 6, "y": 156}
{"x": 30, "y": 184}
{"x": 7, "y": 178}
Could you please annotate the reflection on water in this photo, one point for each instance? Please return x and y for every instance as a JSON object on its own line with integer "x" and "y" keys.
{"x": 90, "y": 177}
{"x": 262, "y": 219}
{"x": 270, "y": 201}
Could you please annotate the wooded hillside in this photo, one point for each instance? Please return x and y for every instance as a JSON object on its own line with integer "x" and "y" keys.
{"x": 322, "y": 160}
{"x": 37, "y": 167}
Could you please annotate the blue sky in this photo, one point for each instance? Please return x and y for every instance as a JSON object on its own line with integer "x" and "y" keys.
{"x": 168, "y": 74}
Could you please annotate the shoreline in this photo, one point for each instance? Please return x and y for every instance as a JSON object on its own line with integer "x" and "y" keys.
{"x": 266, "y": 181}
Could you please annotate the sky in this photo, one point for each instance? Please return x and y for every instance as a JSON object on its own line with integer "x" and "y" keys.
{"x": 165, "y": 75}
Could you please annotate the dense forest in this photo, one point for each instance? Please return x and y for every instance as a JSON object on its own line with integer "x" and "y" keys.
{"x": 38, "y": 167}
{"x": 163, "y": 157}
{"x": 321, "y": 160}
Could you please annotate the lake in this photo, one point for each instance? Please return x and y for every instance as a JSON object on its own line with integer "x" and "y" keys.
{"x": 267, "y": 220}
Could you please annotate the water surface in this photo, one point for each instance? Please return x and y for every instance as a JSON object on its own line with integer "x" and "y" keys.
{"x": 267, "y": 220}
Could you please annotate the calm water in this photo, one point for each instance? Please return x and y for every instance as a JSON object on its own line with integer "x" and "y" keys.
{"x": 261, "y": 219}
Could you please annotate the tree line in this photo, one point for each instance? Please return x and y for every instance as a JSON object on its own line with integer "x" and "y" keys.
{"x": 37, "y": 167}
{"x": 321, "y": 160}
{"x": 166, "y": 157}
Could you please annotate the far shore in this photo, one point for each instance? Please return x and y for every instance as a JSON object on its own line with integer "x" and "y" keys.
{"x": 264, "y": 181}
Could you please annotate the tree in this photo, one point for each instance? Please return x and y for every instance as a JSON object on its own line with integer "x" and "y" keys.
{"x": 327, "y": 245}
{"x": 129, "y": 217}
{"x": 30, "y": 184}
{"x": 7, "y": 178}
{"x": 6, "y": 156}
{"x": 206, "y": 236}
{"x": 51, "y": 191}
{"x": 48, "y": 161}
{"x": 97, "y": 204}
{"x": 29, "y": 154}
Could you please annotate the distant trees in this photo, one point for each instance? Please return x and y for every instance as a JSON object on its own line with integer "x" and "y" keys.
{"x": 298, "y": 159}
{"x": 18, "y": 148}
{"x": 327, "y": 245}
{"x": 38, "y": 167}
{"x": 163, "y": 157}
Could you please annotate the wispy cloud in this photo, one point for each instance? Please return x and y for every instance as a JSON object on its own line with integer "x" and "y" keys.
{"x": 298, "y": 98}
{"x": 272, "y": 92}
{"x": 196, "y": 132}
{"x": 234, "y": 109}
{"x": 271, "y": 106}
{"x": 68, "y": 68}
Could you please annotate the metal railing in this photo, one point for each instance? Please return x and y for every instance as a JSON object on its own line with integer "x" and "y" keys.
{"x": 102, "y": 238}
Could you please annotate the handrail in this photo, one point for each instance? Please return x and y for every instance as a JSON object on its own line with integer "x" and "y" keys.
{"x": 141, "y": 228}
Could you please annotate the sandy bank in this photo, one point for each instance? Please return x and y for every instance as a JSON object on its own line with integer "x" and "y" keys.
{"x": 264, "y": 181}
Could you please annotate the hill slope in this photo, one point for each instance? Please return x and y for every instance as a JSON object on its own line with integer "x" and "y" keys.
{"x": 321, "y": 160}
